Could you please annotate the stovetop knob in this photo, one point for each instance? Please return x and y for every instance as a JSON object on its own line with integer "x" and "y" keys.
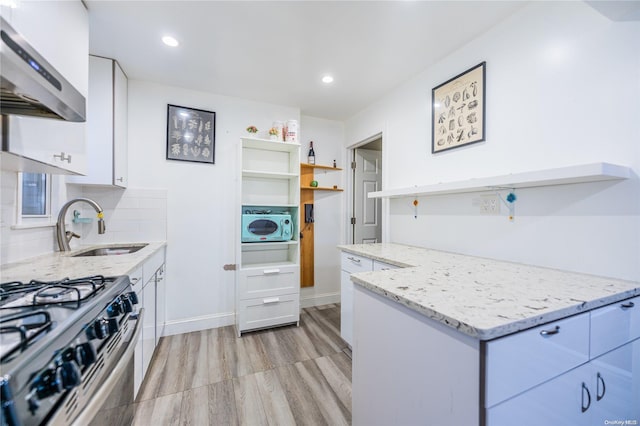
{"x": 125, "y": 304}
{"x": 48, "y": 383}
{"x": 69, "y": 374}
{"x": 133, "y": 297}
{"x": 102, "y": 328}
{"x": 85, "y": 354}
{"x": 115, "y": 308}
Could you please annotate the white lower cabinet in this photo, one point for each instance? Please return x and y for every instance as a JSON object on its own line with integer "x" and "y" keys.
{"x": 149, "y": 285}
{"x": 582, "y": 370}
{"x": 604, "y": 389}
{"x": 352, "y": 263}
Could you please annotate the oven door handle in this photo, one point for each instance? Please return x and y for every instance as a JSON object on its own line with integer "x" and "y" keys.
{"x": 86, "y": 416}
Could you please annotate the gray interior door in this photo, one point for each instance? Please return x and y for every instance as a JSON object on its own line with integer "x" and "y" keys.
{"x": 367, "y": 211}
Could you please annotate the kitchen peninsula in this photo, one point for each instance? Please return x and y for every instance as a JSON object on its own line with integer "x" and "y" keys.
{"x": 455, "y": 339}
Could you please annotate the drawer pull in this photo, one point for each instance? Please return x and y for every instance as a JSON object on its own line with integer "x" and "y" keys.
{"x": 353, "y": 259}
{"x": 599, "y": 395}
{"x": 556, "y": 330}
{"x": 270, "y": 300}
{"x": 135, "y": 280}
{"x": 585, "y": 389}
{"x": 271, "y": 271}
{"x": 627, "y": 305}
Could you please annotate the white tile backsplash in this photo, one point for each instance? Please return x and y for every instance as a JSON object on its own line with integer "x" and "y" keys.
{"x": 131, "y": 215}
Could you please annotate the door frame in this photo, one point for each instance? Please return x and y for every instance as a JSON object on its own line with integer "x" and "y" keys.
{"x": 350, "y": 189}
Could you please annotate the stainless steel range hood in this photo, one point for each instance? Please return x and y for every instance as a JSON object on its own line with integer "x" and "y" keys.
{"x": 31, "y": 86}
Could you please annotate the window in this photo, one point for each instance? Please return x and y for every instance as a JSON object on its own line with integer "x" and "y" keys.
{"x": 34, "y": 199}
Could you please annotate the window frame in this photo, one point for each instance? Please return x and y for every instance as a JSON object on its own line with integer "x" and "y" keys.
{"x": 26, "y": 220}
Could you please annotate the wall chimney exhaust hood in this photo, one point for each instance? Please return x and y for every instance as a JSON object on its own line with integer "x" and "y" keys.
{"x": 31, "y": 86}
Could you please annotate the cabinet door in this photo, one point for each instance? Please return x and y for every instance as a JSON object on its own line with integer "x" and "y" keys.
{"x": 346, "y": 307}
{"x": 557, "y": 402}
{"x": 615, "y": 379}
{"x": 149, "y": 322}
{"x": 120, "y": 112}
{"x": 161, "y": 291}
{"x": 614, "y": 325}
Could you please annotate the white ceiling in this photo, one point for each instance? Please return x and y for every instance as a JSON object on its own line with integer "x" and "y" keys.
{"x": 277, "y": 52}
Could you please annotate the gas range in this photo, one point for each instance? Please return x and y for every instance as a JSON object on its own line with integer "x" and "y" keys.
{"x": 59, "y": 343}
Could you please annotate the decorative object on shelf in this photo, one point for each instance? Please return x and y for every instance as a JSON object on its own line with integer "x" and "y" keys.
{"x": 334, "y": 164}
{"x": 314, "y": 184}
{"x": 273, "y": 134}
{"x": 280, "y": 130}
{"x": 415, "y": 208}
{"x": 252, "y": 129}
{"x": 311, "y": 157}
{"x": 458, "y": 110}
{"x": 292, "y": 131}
{"x": 191, "y": 134}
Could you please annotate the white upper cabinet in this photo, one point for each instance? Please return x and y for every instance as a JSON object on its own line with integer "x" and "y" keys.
{"x": 106, "y": 125}
{"x": 59, "y": 31}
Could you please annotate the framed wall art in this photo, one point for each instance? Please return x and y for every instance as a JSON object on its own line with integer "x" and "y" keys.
{"x": 191, "y": 134}
{"x": 458, "y": 110}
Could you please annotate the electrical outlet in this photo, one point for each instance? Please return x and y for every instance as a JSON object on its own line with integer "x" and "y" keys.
{"x": 489, "y": 205}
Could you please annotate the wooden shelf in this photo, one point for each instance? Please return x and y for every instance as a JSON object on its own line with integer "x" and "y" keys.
{"x": 317, "y": 166}
{"x": 320, "y": 188}
{"x": 594, "y": 172}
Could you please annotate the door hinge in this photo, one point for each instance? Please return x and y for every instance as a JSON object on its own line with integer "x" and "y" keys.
{"x": 353, "y": 220}
{"x": 353, "y": 165}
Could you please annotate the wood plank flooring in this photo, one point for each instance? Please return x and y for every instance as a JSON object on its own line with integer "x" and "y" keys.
{"x": 283, "y": 376}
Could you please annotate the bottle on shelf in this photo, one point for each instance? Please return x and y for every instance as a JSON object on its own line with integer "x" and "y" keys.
{"x": 311, "y": 158}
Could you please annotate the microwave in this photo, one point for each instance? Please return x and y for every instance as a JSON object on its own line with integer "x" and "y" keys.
{"x": 266, "y": 227}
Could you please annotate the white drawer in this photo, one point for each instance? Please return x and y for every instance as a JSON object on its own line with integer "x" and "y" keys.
{"x": 265, "y": 282}
{"x": 136, "y": 280}
{"x": 268, "y": 311}
{"x": 614, "y": 325}
{"x": 382, "y": 266}
{"x": 152, "y": 264}
{"x": 353, "y": 263}
{"x": 520, "y": 361}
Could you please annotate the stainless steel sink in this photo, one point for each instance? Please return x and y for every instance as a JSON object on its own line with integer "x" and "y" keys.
{"x": 111, "y": 251}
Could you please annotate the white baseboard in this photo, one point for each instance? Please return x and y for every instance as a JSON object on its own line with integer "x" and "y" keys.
{"x": 205, "y": 322}
{"x": 319, "y": 299}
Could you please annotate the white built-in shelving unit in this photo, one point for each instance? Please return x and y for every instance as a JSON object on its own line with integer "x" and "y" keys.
{"x": 267, "y": 279}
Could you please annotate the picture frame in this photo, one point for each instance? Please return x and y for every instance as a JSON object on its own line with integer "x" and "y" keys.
{"x": 458, "y": 110}
{"x": 191, "y": 134}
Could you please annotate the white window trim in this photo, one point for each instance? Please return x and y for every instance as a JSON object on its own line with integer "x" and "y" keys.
{"x": 36, "y": 221}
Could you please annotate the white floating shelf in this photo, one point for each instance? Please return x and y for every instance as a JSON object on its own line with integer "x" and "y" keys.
{"x": 582, "y": 173}
{"x": 269, "y": 144}
{"x": 268, "y": 175}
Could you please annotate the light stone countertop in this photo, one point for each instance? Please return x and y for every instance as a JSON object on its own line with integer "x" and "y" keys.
{"x": 59, "y": 265}
{"x": 483, "y": 298}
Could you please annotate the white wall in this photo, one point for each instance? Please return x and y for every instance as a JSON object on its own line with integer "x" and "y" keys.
{"x": 200, "y": 197}
{"x": 328, "y": 143}
{"x": 563, "y": 88}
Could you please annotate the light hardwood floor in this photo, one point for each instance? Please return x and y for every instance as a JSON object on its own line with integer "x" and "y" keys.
{"x": 283, "y": 376}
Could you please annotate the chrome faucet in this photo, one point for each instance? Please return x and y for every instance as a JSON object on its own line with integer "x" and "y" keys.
{"x": 65, "y": 236}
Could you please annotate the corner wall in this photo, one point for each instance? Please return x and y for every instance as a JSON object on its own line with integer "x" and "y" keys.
{"x": 563, "y": 88}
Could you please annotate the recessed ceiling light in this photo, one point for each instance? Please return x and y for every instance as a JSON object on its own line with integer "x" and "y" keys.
{"x": 170, "y": 41}
{"x": 327, "y": 79}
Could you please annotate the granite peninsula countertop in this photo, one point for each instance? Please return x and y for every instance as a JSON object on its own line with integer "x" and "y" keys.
{"x": 58, "y": 265}
{"x": 480, "y": 297}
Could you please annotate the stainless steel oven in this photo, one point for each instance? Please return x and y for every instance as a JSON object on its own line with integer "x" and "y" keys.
{"x": 66, "y": 351}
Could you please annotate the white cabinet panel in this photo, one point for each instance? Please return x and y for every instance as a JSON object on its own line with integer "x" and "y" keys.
{"x": 268, "y": 311}
{"x": 353, "y": 263}
{"x": 614, "y": 325}
{"x": 346, "y": 307}
{"x": 148, "y": 323}
{"x": 270, "y": 281}
{"x": 106, "y": 125}
{"x": 161, "y": 303}
{"x": 520, "y": 361}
